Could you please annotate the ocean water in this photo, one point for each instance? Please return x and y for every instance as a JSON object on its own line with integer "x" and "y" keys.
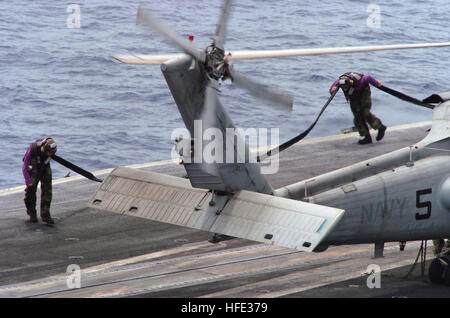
{"x": 62, "y": 82}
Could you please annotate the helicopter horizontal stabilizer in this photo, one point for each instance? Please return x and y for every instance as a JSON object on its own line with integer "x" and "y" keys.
{"x": 245, "y": 214}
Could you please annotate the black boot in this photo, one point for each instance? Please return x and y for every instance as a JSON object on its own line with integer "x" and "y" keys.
{"x": 381, "y": 131}
{"x": 33, "y": 217}
{"x": 367, "y": 140}
{"x": 47, "y": 219}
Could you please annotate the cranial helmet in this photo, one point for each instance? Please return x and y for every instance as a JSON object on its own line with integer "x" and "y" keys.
{"x": 345, "y": 82}
{"x": 50, "y": 146}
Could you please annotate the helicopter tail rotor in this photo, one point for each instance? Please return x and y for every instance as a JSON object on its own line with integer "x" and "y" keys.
{"x": 145, "y": 18}
{"x": 278, "y": 98}
{"x": 213, "y": 59}
{"x": 219, "y": 39}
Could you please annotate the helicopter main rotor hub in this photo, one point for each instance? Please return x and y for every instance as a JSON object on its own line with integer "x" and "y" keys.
{"x": 216, "y": 66}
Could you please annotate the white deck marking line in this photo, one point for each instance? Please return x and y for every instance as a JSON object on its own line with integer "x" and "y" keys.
{"x": 173, "y": 161}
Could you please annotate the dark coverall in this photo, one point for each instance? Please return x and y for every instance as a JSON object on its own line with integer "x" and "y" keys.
{"x": 36, "y": 168}
{"x": 361, "y": 102}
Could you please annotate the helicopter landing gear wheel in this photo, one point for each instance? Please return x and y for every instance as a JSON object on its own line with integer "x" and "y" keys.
{"x": 446, "y": 260}
{"x": 439, "y": 271}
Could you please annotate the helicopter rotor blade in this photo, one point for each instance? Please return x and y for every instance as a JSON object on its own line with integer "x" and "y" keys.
{"x": 219, "y": 39}
{"x": 247, "y": 55}
{"x": 208, "y": 120}
{"x": 279, "y": 98}
{"x": 145, "y": 18}
{"x": 209, "y": 104}
{"x": 145, "y": 59}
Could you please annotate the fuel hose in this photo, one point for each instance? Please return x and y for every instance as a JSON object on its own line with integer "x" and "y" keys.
{"x": 75, "y": 168}
{"x": 299, "y": 137}
{"x": 404, "y": 97}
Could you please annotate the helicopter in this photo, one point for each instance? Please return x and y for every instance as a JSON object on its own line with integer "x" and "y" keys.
{"x": 399, "y": 196}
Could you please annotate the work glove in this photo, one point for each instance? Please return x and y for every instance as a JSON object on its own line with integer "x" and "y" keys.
{"x": 33, "y": 182}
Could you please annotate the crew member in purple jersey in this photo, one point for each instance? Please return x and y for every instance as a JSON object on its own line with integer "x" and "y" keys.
{"x": 356, "y": 89}
{"x": 35, "y": 169}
